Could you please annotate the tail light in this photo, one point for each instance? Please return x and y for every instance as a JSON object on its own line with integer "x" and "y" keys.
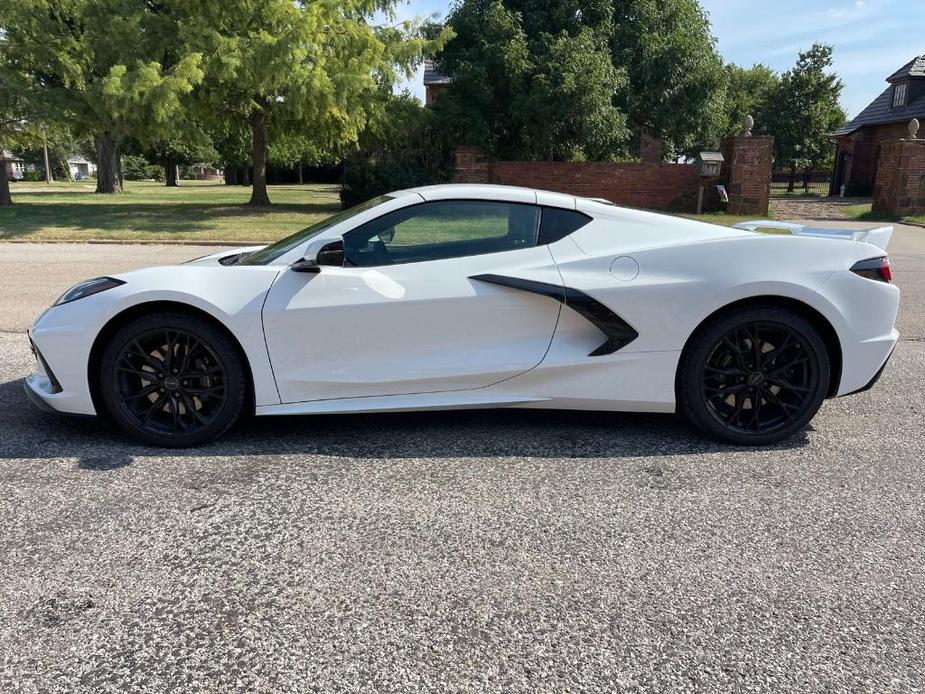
{"x": 874, "y": 269}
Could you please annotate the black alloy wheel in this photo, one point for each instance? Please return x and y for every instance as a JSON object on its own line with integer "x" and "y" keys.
{"x": 755, "y": 377}
{"x": 172, "y": 380}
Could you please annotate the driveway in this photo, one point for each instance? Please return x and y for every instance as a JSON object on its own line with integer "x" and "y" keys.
{"x": 811, "y": 207}
{"x": 447, "y": 552}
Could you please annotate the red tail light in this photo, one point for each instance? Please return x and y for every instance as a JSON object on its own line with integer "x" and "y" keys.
{"x": 874, "y": 269}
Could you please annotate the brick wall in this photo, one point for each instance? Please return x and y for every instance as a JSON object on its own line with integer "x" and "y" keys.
{"x": 654, "y": 186}
{"x": 650, "y": 186}
{"x": 900, "y": 188}
{"x": 865, "y": 147}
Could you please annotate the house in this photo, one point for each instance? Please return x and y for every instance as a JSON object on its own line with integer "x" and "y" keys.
{"x": 81, "y": 168}
{"x": 885, "y": 119}
{"x": 434, "y": 82}
{"x": 15, "y": 166}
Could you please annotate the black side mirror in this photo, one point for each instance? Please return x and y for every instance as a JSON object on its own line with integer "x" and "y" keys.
{"x": 332, "y": 254}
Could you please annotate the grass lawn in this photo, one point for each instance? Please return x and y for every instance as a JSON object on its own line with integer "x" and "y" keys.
{"x": 197, "y": 210}
{"x": 863, "y": 213}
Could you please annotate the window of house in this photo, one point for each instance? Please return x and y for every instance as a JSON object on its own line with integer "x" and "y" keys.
{"x": 442, "y": 229}
{"x": 899, "y": 94}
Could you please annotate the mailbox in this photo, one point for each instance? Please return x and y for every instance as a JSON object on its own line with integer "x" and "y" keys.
{"x": 710, "y": 164}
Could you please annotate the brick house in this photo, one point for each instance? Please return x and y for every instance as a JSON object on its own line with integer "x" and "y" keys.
{"x": 885, "y": 119}
{"x": 434, "y": 82}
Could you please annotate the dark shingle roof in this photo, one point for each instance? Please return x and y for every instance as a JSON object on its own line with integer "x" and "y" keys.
{"x": 433, "y": 76}
{"x": 914, "y": 68}
{"x": 879, "y": 111}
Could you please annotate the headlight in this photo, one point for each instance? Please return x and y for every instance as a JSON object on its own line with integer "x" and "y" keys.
{"x": 87, "y": 288}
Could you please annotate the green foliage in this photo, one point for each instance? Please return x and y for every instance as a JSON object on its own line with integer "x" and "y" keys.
{"x": 32, "y": 176}
{"x": 108, "y": 68}
{"x": 307, "y": 66}
{"x": 749, "y": 91}
{"x": 805, "y": 110}
{"x": 136, "y": 168}
{"x": 402, "y": 148}
{"x": 676, "y": 82}
{"x": 532, "y": 81}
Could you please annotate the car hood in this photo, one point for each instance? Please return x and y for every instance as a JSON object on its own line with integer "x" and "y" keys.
{"x": 218, "y": 256}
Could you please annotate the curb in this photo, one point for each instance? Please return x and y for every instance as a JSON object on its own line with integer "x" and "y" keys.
{"x": 138, "y": 242}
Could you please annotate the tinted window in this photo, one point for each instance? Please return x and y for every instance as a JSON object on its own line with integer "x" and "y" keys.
{"x": 442, "y": 229}
{"x": 558, "y": 223}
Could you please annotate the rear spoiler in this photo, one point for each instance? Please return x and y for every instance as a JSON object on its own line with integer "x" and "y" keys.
{"x": 879, "y": 236}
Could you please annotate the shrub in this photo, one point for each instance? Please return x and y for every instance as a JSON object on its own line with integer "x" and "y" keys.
{"x": 135, "y": 168}
{"x": 33, "y": 176}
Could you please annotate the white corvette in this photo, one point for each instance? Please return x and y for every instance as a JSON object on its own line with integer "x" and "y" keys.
{"x": 463, "y": 296}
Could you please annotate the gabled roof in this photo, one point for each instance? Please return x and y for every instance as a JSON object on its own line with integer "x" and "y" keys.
{"x": 9, "y": 156}
{"x": 879, "y": 110}
{"x": 914, "y": 68}
{"x": 433, "y": 76}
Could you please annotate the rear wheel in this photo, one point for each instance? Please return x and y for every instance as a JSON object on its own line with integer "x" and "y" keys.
{"x": 754, "y": 376}
{"x": 172, "y": 380}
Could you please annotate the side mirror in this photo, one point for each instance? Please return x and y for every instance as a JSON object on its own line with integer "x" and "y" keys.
{"x": 328, "y": 252}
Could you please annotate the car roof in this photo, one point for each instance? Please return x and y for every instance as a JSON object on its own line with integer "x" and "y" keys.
{"x": 479, "y": 191}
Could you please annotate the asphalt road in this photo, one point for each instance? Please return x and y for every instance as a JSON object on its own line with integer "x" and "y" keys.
{"x": 478, "y": 551}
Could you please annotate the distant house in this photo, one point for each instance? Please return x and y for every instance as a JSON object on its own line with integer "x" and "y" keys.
{"x": 15, "y": 166}
{"x": 886, "y": 118}
{"x": 434, "y": 82}
{"x": 81, "y": 168}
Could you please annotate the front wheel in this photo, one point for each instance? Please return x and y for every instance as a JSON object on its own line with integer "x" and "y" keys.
{"x": 172, "y": 380}
{"x": 754, "y": 376}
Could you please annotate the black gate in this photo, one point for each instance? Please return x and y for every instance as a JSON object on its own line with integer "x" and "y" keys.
{"x": 816, "y": 182}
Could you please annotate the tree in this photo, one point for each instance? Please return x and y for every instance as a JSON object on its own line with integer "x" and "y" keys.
{"x": 532, "y": 80}
{"x": 676, "y": 81}
{"x": 103, "y": 65}
{"x": 749, "y": 91}
{"x": 311, "y": 65}
{"x": 402, "y": 147}
{"x": 806, "y": 110}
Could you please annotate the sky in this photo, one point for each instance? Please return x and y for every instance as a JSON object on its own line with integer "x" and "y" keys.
{"x": 872, "y": 38}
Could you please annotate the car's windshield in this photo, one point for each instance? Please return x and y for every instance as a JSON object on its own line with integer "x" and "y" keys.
{"x": 267, "y": 255}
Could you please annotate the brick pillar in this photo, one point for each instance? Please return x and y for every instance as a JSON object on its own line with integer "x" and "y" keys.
{"x": 472, "y": 165}
{"x": 900, "y": 188}
{"x": 747, "y": 171}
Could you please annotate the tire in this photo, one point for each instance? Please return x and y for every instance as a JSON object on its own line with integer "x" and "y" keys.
{"x": 754, "y": 397}
{"x": 173, "y": 380}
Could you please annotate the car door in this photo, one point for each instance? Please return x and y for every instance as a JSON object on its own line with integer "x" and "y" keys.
{"x": 404, "y": 315}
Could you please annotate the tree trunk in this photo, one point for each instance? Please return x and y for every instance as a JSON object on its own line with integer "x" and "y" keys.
{"x": 170, "y": 173}
{"x": 259, "y": 197}
{"x": 5, "y": 198}
{"x": 246, "y": 176}
{"x": 231, "y": 175}
{"x": 792, "y": 178}
{"x": 108, "y": 166}
{"x": 301, "y": 181}
{"x": 48, "y": 177}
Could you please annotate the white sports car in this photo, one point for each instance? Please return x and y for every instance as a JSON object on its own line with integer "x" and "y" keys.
{"x": 462, "y": 296}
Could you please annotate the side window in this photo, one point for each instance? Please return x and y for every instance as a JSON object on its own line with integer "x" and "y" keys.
{"x": 442, "y": 229}
{"x": 558, "y": 223}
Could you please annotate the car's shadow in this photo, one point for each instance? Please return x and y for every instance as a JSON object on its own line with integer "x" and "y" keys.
{"x": 31, "y": 434}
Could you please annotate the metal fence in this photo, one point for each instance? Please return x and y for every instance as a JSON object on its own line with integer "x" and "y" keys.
{"x": 804, "y": 183}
